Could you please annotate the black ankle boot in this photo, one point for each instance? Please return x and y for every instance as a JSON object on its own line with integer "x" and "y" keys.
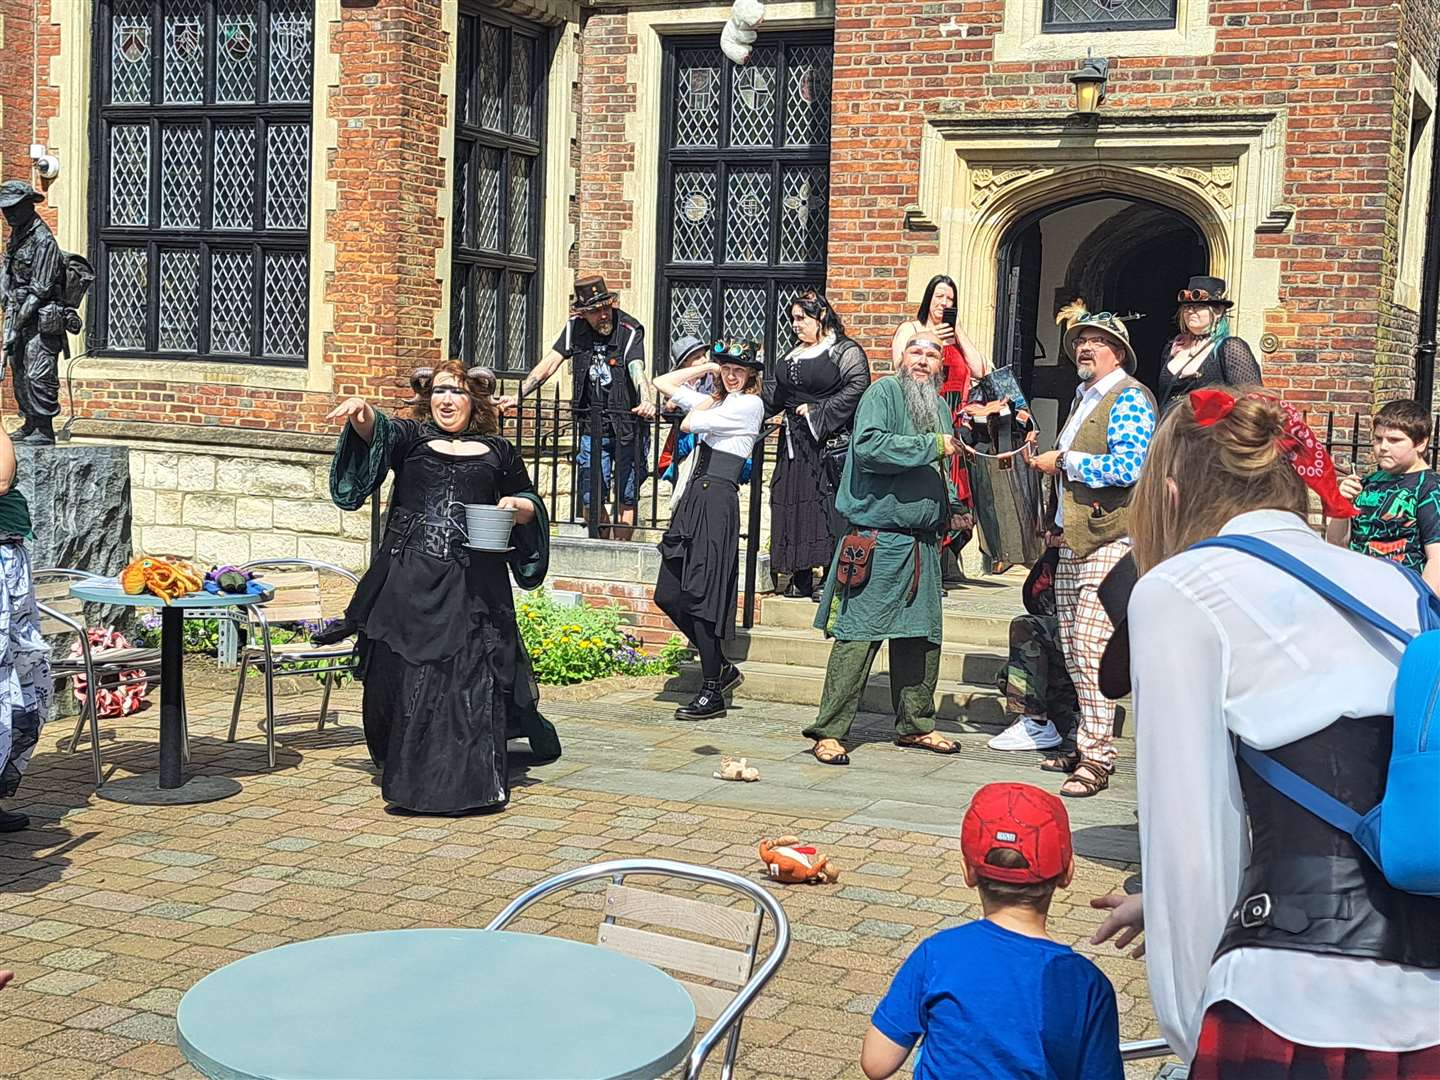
{"x": 42, "y": 434}
{"x": 800, "y": 585}
{"x": 708, "y": 704}
{"x": 11, "y": 822}
{"x": 730, "y": 677}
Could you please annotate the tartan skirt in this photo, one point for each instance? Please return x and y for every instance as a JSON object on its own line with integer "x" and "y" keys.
{"x": 1235, "y": 1046}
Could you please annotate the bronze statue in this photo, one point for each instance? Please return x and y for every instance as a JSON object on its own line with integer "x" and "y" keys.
{"x": 41, "y": 290}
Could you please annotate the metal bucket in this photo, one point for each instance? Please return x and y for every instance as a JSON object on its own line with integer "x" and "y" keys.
{"x": 488, "y": 527}
{"x": 1007, "y": 494}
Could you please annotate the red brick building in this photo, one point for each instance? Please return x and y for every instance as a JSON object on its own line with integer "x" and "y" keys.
{"x": 289, "y": 201}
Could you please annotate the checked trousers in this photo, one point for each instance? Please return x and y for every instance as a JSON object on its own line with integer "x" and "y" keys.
{"x": 1084, "y": 632}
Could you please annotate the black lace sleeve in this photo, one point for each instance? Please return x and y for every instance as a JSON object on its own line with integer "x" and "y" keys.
{"x": 1238, "y": 365}
{"x": 514, "y": 477}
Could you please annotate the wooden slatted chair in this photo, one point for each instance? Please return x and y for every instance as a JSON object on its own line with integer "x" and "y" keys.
{"x": 733, "y": 969}
{"x": 297, "y": 599}
{"x": 61, "y": 614}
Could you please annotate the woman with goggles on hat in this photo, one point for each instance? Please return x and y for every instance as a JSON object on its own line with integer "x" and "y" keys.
{"x": 440, "y": 654}
{"x": 699, "y": 559}
{"x": 1204, "y": 353}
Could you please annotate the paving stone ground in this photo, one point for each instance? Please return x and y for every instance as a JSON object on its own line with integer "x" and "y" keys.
{"x": 108, "y": 912}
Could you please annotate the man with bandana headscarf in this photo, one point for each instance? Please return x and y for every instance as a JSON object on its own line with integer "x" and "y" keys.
{"x": 895, "y": 489}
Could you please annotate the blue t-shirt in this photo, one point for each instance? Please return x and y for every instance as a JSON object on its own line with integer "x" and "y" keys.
{"x": 990, "y": 1002}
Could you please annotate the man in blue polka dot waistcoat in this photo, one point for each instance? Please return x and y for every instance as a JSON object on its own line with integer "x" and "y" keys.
{"x": 1096, "y": 462}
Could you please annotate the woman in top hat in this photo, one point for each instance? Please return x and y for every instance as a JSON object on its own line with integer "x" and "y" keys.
{"x": 1204, "y": 353}
{"x": 699, "y": 560}
{"x": 817, "y": 387}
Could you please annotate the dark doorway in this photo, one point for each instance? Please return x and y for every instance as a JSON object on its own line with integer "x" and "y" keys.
{"x": 1120, "y": 254}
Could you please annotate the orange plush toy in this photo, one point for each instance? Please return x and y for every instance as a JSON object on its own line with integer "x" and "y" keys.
{"x": 792, "y": 864}
{"x": 165, "y": 578}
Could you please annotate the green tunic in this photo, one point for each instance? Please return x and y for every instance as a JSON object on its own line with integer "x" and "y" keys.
{"x": 894, "y": 478}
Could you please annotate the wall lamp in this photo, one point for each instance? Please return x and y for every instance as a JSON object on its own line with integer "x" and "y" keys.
{"x": 1089, "y": 81}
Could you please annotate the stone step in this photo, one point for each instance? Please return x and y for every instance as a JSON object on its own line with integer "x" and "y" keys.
{"x": 961, "y": 662}
{"x": 964, "y": 624}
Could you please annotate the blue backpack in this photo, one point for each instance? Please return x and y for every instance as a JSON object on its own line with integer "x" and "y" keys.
{"x": 1401, "y": 834}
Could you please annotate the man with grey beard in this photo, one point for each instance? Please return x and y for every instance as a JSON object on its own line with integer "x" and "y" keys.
{"x": 896, "y": 494}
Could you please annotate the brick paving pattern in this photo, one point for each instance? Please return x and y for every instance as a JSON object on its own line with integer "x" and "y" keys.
{"x": 109, "y": 912}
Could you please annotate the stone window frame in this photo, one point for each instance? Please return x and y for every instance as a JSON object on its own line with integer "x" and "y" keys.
{"x": 254, "y": 245}
{"x": 1415, "y": 188}
{"x": 1024, "y": 38}
{"x": 468, "y": 260}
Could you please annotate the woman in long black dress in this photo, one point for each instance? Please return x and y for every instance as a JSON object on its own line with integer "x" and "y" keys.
{"x": 699, "y": 578}
{"x": 816, "y": 388}
{"x": 440, "y": 654}
{"x": 1204, "y": 353}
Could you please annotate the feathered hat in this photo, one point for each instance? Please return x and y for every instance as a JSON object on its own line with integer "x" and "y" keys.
{"x": 1075, "y": 316}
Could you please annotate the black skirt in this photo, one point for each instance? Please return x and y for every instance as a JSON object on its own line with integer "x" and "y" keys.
{"x": 700, "y": 556}
{"x": 803, "y": 529}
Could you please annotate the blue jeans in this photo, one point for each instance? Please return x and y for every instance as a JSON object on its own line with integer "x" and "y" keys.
{"x": 632, "y": 470}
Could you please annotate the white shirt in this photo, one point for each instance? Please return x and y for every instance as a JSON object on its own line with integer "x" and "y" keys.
{"x": 730, "y": 426}
{"x": 1086, "y": 399}
{"x": 1222, "y": 642}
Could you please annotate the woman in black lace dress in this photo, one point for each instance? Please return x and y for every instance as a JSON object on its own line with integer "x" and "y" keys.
{"x": 816, "y": 388}
{"x": 1204, "y": 353}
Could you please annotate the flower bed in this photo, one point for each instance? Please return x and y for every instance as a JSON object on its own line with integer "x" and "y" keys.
{"x": 571, "y": 644}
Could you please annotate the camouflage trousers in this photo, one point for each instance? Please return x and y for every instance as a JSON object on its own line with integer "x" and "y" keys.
{"x": 1034, "y": 680}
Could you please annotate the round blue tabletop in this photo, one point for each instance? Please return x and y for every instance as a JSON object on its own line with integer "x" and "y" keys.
{"x": 108, "y": 591}
{"x": 436, "y": 1005}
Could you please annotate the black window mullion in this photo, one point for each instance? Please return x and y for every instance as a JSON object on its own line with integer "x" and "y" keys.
{"x": 206, "y": 281}
{"x": 157, "y": 54}
{"x": 152, "y": 296}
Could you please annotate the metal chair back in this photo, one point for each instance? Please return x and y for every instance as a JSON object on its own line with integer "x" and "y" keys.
{"x": 297, "y": 595}
{"x": 60, "y": 613}
{"x": 735, "y": 969}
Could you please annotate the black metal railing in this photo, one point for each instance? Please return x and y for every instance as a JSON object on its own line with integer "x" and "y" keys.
{"x": 1348, "y": 440}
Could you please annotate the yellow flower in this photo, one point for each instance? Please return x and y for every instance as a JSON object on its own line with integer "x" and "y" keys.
{"x": 641, "y": 652}
{"x": 545, "y": 644}
{"x": 585, "y": 644}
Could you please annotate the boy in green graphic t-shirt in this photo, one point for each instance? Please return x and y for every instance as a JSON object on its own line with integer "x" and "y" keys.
{"x": 1399, "y": 503}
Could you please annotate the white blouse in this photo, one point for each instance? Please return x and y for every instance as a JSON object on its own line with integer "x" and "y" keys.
{"x": 730, "y": 426}
{"x": 1222, "y": 643}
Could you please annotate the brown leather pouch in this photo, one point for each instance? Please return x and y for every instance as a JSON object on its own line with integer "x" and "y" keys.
{"x": 856, "y": 553}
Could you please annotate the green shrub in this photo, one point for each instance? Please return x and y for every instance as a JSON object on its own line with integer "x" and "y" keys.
{"x": 571, "y": 644}
{"x": 203, "y": 636}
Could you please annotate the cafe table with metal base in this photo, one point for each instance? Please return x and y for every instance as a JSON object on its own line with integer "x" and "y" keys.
{"x": 436, "y": 1004}
{"x": 170, "y": 786}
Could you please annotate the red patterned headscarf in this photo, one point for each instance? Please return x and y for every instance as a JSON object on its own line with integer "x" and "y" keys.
{"x": 1302, "y": 448}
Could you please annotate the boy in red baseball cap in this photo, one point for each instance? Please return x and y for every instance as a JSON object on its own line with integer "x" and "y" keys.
{"x": 997, "y": 997}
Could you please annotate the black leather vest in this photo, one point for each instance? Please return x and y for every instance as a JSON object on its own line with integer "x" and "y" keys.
{"x": 1308, "y": 886}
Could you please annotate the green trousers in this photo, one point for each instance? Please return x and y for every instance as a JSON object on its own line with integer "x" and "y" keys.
{"x": 914, "y": 670}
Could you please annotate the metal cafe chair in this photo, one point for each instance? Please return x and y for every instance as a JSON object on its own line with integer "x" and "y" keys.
{"x": 297, "y": 599}
{"x": 730, "y": 967}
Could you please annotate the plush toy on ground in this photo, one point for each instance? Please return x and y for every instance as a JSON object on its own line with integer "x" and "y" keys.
{"x": 165, "y": 578}
{"x": 737, "y": 37}
{"x": 736, "y": 769}
{"x": 791, "y": 864}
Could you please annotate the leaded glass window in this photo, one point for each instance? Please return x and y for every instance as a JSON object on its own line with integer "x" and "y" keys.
{"x": 1073, "y": 16}
{"x": 499, "y": 173}
{"x": 203, "y": 159}
{"x": 746, "y": 187}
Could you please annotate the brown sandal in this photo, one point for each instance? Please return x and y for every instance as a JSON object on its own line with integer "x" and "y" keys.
{"x": 1092, "y": 778}
{"x": 1066, "y": 763}
{"x": 931, "y": 741}
{"x": 828, "y": 756}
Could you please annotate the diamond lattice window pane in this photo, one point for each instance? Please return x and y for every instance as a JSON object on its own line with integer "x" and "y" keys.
{"x": 743, "y": 313}
{"x": 460, "y": 208}
{"x": 487, "y": 199}
{"x": 459, "y": 344}
{"x": 804, "y": 207}
{"x": 180, "y": 300}
{"x": 286, "y": 292}
{"x": 182, "y": 159}
{"x": 237, "y": 47}
{"x": 1088, "y": 12}
{"x": 807, "y": 96}
{"x": 234, "y": 177}
{"x": 747, "y": 212}
{"x": 753, "y": 99}
{"x": 785, "y": 294}
{"x": 130, "y": 174}
{"x": 691, "y": 310}
{"x": 232, "y": 301}
{"x": 287, "y": 176}
{"x": 290, "y": 49}
{"x": 522, "y": 89}
{"x": 184, "y": 51}
{"x": 517, "y": 321}
{"x": 697, "y": 97}
{"x": 128, "y": 282}
{"x": 465, "y": 70}
{"x": 487, "y": 322}
{"x": 487, "y": 61}
{"x": 520, "y": 204}
{"x": 693, "y": 207}
{"x": 131, "y": 52}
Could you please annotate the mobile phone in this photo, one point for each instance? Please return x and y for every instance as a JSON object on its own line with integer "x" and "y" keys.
{"x": 949, "y": 316}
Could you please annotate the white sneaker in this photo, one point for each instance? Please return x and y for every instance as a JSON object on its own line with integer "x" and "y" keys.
{"x": 1027, "y": 733}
